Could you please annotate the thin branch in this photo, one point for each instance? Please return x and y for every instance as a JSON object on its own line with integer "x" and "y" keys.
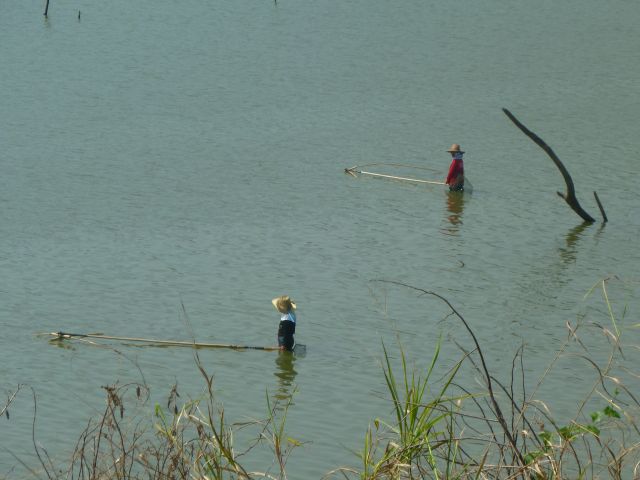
{"x": 33, "y": 435}
{"x": 604, "y": 215}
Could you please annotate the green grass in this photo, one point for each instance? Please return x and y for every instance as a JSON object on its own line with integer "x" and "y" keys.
{"x": 438, "y": 428}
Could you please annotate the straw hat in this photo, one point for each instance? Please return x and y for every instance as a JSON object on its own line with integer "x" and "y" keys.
{"x": 283, "y": 304}
{"x": 455, "y": 148}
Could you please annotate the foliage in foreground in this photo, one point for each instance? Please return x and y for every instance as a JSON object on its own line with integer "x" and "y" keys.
{"x": 183, "y": 440}
{"x": 439, "y": 428}
{"x": 504, "y": 432}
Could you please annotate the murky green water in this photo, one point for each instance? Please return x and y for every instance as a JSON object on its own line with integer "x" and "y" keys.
{"x": 192, "y": 153}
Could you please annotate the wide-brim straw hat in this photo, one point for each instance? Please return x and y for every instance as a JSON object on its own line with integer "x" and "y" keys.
{"x": 283, "y": 303}
{"x": 455, "y": 148}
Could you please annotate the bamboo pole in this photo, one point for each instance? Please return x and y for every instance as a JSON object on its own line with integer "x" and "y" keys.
{"x": 352, "y": 171}
{"x": 175, "y": 343}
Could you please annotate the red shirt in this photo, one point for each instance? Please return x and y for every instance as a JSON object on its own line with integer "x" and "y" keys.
{"x": 456, "y": 169}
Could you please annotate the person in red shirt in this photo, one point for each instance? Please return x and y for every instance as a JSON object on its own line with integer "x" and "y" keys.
{"x": 455, "y": 178}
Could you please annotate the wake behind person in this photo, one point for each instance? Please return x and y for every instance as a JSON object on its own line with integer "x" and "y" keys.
{"x": 287, "y": 325}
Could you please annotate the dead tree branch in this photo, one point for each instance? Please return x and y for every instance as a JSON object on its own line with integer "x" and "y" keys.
{"x": 604, "y": 215}
{"x": 570, "y": 195}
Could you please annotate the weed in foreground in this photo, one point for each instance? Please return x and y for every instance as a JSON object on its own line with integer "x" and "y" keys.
{"x": 503, "y": 431}
{"x": 440, "y": 429}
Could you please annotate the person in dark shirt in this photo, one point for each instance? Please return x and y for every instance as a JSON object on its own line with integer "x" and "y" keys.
{"x": 287, "y": 325}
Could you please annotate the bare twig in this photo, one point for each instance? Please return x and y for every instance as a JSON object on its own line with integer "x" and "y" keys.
{"x": 33, "y": 436}
{"x": 604, "y": 215}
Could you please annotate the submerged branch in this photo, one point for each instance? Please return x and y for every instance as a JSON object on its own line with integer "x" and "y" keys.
{"x": 570, "y": 195}
{"x": 604, "y": 215}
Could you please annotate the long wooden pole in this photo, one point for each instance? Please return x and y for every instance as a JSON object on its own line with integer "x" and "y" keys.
{"x": 176, "y": 343}
{"x": 393, "y": 177}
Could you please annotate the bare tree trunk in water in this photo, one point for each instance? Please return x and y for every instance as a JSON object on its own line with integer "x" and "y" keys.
{"x": 570, "y": 196}
{"x": 46, "y": 8}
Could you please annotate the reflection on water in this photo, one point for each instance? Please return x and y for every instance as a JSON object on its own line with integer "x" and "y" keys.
{"x": 455, "y": 209}
{"x": 286, "y": 374}
{"x": 548, "y": 275}
{"x": 596, "y": 237}
{"x": 61, "y": 344}
{"x": 568, "y": 253}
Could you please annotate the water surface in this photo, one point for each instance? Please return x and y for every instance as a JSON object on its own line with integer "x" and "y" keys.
{"x": 155, "y": 156}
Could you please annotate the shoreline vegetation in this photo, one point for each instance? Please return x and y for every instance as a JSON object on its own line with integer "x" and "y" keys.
{"x": 439, "y": 429}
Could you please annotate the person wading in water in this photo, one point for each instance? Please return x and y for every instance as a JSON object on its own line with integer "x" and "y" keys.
{"x": 287, "y": 326}
{"x": 455, "y": 178}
